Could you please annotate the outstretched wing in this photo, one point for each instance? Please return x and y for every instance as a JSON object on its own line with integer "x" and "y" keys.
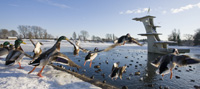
{"x": 183, "y": 60}
{"x": 133, "y": 40}
{"x": 121, "y": 71}
{"x": 111, "y": 47}
{"x": 32, "y": 42}
{"x": 61, "y": 58}
{"x": 76, "y": 46}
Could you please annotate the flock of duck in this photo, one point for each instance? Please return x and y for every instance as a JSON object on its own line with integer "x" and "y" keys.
{"x": 15, "y": 54}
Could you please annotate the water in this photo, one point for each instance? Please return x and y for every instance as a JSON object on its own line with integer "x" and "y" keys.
{"x": 141, "y": 62}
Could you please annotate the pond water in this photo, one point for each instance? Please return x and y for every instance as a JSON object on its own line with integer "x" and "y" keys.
{"x": 138, "y": 60}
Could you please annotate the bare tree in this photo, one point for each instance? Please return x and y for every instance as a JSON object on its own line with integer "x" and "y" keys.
{"x": 4, "y": 33}
{"x": 74, "y": 36}
{"x": 13, "y": 33}
{"x": 23, "y": 30}
{"x": 84, "y": 34}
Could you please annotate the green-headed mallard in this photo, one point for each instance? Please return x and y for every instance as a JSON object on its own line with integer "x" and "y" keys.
{"x": 51, "y": 55}
{"x": 5, "y": 49}
{"x": 16, "y": 55}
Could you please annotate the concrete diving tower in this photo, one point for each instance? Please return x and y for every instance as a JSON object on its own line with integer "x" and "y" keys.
{"x": 155, "y": 45}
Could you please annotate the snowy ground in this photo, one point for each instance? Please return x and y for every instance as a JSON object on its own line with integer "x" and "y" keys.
{"x": 12, "y": 78}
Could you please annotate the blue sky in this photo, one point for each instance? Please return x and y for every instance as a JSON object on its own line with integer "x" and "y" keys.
{"x": 99, "y": 17}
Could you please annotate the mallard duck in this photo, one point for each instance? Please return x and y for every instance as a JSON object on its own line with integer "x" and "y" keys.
{"x": 117, "y": 71}
{"x": 77, "y": 48}
{"x": 122, "y": 40}
{"x": 37, "y": 50}
{"x": 16, "y": 55}
{"x": 168, "y": 62}
{"x": 5, "y": 49}
{"x": 50, "y": 55}
{"x": 92, "y": 55}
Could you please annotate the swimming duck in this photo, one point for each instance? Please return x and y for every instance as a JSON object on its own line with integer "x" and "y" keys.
{"x": 168, "y": 62}
{"x": 92, "y": 55}
{"x": 122, "y": 40}
{"x": 50, "y": 55}
{"x": 16, "y": 55}
{"x": 5, "y": 49}
{"x": 117, "y": 71}
{"x": 37, "y": 50}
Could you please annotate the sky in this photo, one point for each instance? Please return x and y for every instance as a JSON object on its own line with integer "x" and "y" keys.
{"x": 99, "y": 17}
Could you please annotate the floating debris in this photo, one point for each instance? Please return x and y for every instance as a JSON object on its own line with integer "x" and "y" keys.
{"x": 126, "y": 57}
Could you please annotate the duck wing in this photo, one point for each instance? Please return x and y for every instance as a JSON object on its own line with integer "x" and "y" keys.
{"x": 61, "y": 58}
{"x": 3, "y": 51}
{"x": 133, "y": 40}
{"x": 111, "y": 47}
{"x": 121, "y": 71}
{"x": 183, "y": 60}
{"x": 13, "y": 56}
{"x": 32, "y": 42}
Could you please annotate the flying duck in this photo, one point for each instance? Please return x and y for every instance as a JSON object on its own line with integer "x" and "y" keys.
{"x": 16, "y": 55}
{"x": 51, "y": 55}
{"x": 77, "y": 48}
{"x": 37, "y": 50}
{"x": 5, "y": 49}
{"x": 168, "y": 62}
{"x": 92, "y": 55}
{"x": 122, "y": 40}
{"x": 117, "y": 71}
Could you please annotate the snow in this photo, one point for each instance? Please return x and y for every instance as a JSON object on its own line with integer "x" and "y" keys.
{"x": 12, "y": 78}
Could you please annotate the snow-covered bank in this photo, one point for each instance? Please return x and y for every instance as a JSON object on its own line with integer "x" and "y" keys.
{"x": 12, "y": 78}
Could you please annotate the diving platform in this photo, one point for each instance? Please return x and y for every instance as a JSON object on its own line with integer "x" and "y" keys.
{"x": 155, "y": 44}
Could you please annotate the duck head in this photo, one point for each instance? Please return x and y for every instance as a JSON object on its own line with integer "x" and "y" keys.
{"x": 18, "y": 42}
{"x": 63, "y": 38}
{"x": 96, "y": 49}
{"x": 175, "y": 51}
{"x": 6, "y": 43}
{"x": 128, "y": 35}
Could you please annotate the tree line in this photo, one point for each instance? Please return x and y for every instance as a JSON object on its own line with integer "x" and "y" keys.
{"x": 189, "y": 39}
{"x": 26, "y": 31}
{"x": 84, "y": 35}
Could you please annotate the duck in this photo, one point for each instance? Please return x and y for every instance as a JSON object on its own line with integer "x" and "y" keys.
{"x": 122, "y": 40}
{"x": 168, "y": 62}
{"x": 92, "y": 55}
{"x": 16, "y": 55}
{"x": 37, "y": 50}
{"x": 49, "y": 56}
{"x": 77, "y": 48}
{"x": 117, "y": 71}
{"x": 5, "y": 49}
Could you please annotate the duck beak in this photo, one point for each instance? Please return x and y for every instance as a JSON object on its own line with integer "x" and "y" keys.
{"x": 67, "y": 39}
{"x": 23, "y": 43}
